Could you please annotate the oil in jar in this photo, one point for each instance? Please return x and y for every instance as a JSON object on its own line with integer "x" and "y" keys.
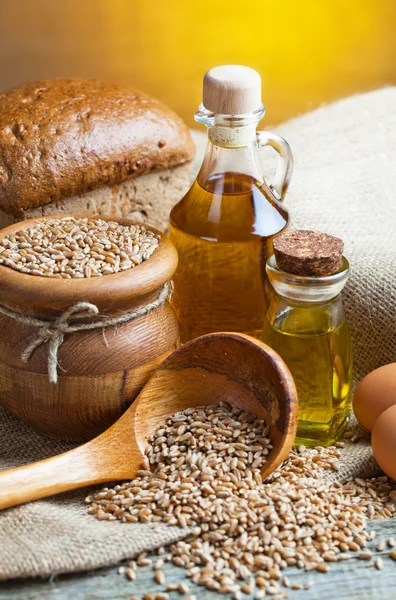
{"x": 320, "y": 360}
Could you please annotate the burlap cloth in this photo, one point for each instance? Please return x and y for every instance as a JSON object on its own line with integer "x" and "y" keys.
{"x": 343, "y": 183}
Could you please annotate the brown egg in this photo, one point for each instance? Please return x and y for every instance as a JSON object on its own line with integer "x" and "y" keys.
{"x": 383, "y": 441}
{"x": 374, "y": 394}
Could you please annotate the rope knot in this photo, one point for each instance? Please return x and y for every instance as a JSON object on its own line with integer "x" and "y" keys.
{"x": 53, "y": 332}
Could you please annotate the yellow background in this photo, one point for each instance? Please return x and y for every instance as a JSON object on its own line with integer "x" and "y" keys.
{"x": 307, "y": 51}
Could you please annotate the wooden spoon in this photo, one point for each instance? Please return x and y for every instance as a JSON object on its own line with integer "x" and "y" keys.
{"x": 220, "y": 366}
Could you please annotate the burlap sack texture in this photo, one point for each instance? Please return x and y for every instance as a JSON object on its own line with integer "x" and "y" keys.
{"x": 343, "y": 184}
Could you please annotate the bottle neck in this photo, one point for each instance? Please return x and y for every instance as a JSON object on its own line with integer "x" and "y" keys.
{"x": 231, "y": 131}
{"x": 232, "y": 137}
{"x": 221, "y": 159}
{"x": 232, "y": 145}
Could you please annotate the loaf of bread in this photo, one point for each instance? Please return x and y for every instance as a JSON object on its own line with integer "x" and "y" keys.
{"x": 86, "y": 146}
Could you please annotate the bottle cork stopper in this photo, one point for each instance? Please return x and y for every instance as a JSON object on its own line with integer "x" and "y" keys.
{"x": 232, "y": 90}
{"x": 309, "y": 253}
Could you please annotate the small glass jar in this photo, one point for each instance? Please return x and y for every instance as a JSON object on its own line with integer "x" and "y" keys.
{"x": 306, "y": 325}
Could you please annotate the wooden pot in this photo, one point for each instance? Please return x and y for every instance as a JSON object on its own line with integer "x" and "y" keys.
{"x": 100, "y": 371}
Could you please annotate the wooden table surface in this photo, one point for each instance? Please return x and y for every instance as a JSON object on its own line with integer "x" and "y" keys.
{"x": 349, "y": 580}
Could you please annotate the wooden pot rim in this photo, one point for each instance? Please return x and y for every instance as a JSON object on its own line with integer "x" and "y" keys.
{"x": 115, "y": 293}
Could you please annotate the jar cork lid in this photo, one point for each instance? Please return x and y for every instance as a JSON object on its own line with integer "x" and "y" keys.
{"x": 308, "y": 253}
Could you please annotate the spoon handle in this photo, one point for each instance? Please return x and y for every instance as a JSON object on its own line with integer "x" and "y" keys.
{"x": 92, "y": 463}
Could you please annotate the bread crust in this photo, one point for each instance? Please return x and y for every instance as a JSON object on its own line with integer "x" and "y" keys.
{"x": 65, "y": 137}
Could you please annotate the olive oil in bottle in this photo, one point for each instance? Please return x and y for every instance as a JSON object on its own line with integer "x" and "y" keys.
{"x": 306, "y": 326}
{"x": 319, "y": 357}
{"x": 224, "y": 227}
{"x": 220, "y": 284}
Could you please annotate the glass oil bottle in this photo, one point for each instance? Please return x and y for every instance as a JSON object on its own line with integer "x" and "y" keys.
{"x": 306, "y": 326}
{"x": 223, "y": 228}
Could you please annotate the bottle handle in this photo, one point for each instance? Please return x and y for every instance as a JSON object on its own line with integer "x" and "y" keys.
{"x": 284, "y": 169}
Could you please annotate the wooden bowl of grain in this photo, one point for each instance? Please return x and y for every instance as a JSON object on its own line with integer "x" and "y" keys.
{"x": 230, "y": 367}
{"x": 101, "y": 370}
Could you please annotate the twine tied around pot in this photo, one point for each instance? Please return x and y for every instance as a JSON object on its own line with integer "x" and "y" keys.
{"x": 53, "y": 332}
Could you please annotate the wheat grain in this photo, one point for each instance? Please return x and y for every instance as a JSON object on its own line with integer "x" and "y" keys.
{"x": 70, "y": 248}
{"x": 244, "y": 532}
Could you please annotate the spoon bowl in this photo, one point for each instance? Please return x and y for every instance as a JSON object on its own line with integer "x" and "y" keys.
{"x": 221, "y": 366}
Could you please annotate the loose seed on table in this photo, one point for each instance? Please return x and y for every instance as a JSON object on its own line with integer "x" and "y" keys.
{"x": 261, "y": 582}
{"x": 308, "y": 585}
{"x": 143, "y": 562}
{"x": 272, "y": 590}
{"x": 159, "y": 577}
{"x": 379, "y": 563}
{"x": 322, "y": 567}
{"x": 246, "y": 588}
{"x": 381, "y": 546}
{"x": 245, "y": 532}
